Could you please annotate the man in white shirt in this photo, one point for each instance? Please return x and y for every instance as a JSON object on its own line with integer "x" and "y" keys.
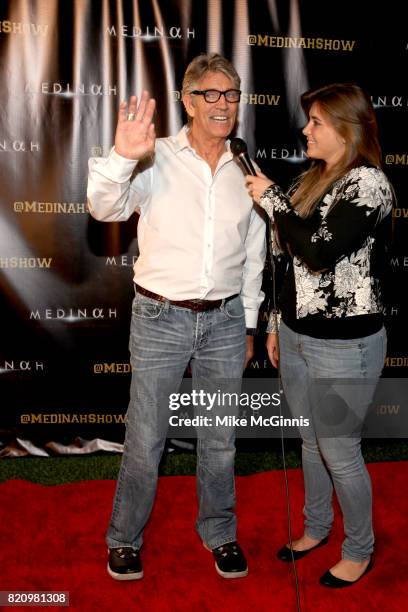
{"x": 198, "y": 287}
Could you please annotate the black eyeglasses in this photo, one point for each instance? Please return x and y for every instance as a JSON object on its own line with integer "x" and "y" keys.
{"x": 213, "y": 95}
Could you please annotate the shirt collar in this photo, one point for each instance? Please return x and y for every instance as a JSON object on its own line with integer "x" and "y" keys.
{"x": 182, "y": 142}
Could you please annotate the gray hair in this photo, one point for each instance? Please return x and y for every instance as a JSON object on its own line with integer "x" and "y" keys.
{"x": 208, "y": 62}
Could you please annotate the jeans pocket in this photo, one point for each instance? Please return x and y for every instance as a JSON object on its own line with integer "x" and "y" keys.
{"x": 147, "y": 308}
{"x": 345, "y": 344}
{"x": 234, "y": 309}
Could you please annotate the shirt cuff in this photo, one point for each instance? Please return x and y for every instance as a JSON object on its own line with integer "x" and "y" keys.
{"x": 273, "y": 323}
{"x": 251, "y": 317}
{"x": 118, "y": 168}
{"x": 273, "y": 199}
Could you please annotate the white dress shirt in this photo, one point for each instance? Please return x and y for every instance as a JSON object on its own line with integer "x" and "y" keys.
{"x": 198, "y": 234}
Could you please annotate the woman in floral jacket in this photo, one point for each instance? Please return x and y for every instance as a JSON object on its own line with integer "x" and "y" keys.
{"x": 333, "y": 229}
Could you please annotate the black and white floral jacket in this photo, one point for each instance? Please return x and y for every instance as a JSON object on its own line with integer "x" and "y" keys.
{"x": 336, "y": 249}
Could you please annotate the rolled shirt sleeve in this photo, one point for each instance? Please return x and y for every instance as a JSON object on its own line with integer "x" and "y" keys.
{"x": 111, "y": 194}
{"x": 251, "y": 293}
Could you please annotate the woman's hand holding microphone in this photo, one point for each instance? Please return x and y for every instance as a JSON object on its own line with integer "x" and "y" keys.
{"x": 256, "y": 185}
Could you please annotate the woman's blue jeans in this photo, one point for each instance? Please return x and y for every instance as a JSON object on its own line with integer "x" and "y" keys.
{"x": 164, "y": 339}
{"x": 331, "y": 449}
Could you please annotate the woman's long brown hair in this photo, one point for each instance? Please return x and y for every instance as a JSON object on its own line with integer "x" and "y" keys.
{"x": 351, "y": 113}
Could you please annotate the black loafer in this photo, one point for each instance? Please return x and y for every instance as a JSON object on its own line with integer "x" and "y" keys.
{"x": 285, "y": 553}
{"x": 125, "y": 563}
{"x": 230, "y": 561}
{"x": 331, "y": 581}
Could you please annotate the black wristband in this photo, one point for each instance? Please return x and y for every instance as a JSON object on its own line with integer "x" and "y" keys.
{"x": 251, "y": 331}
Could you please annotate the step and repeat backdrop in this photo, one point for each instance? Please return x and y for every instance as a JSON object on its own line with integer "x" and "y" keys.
{"x": 65, "y": 279}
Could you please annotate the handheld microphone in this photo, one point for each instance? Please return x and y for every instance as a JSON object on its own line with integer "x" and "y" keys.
{"x": 240, "y": 151}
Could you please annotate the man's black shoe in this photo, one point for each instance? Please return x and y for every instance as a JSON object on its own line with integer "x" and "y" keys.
{"x": 125, "y": 563}
{"x": 230, "y": 561}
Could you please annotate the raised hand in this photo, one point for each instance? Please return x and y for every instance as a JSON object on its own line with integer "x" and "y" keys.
{"x": 135, "y": 135}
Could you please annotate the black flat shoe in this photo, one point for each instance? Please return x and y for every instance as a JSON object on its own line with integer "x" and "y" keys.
{"x": 285, "y": 553}
{"x": 331, "y": 581}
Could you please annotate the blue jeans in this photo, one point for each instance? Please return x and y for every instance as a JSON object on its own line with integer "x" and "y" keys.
{"x": 329, "y": 458}
{"x": 164, "y": 339}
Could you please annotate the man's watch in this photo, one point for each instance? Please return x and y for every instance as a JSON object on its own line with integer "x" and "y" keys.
{"x": 251, "y": 331}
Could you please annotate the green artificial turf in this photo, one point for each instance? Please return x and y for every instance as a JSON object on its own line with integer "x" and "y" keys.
{"x": 101, "y": 466}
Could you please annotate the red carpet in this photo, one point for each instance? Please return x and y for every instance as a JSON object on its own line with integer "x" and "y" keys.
{"x": 52, "y": 538}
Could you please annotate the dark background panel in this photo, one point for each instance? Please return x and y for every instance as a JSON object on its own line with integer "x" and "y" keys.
{"x": 64, "y": 73}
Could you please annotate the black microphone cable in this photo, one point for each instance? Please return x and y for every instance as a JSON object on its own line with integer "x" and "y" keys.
{"x": 282, "y": 439}
{"x": 240, "y": 152}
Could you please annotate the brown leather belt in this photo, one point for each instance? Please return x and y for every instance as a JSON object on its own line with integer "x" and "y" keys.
{"x": 195, "y": 305}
